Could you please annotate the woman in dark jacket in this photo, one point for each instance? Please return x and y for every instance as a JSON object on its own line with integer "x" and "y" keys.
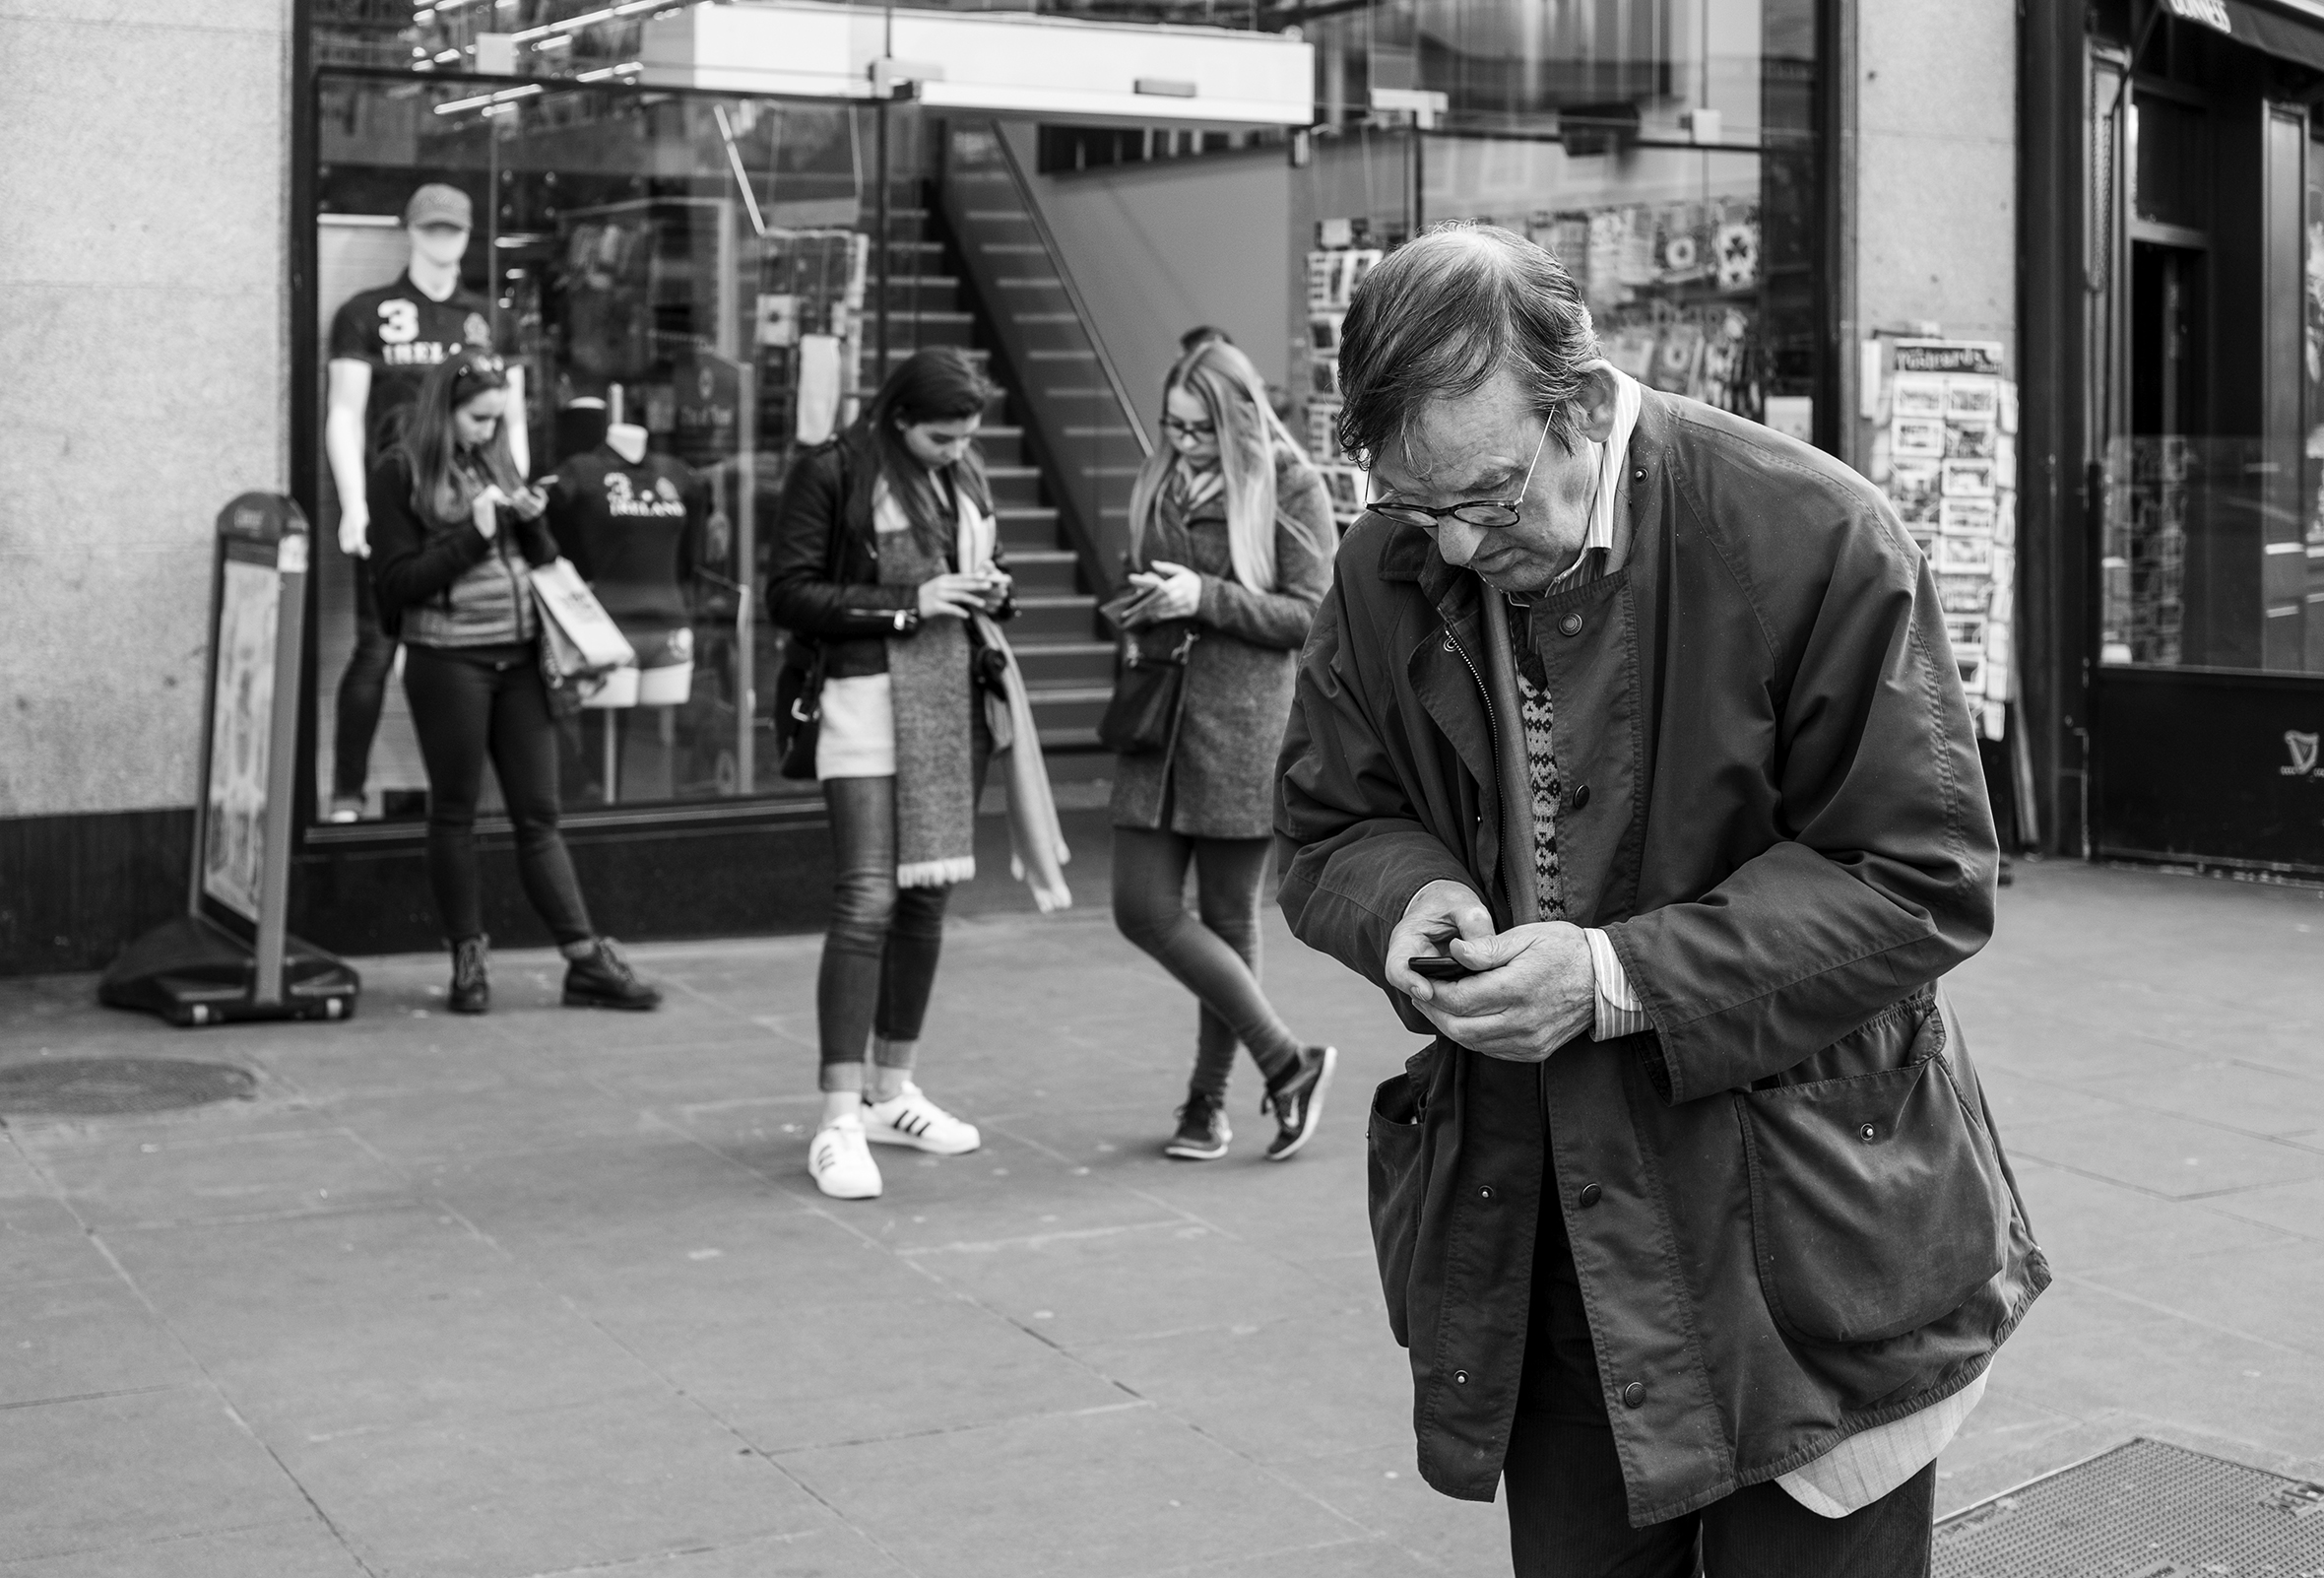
{"x": 452, "y": 531}
{"x": 884, "y": 548}
{"x": 1230, "y": 535}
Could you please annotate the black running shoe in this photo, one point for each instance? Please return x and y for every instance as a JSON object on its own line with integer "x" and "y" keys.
{"x": 1202, "y": 1132}
{"x": 1298, "y": 1101}
{"x": 603, "y": 978}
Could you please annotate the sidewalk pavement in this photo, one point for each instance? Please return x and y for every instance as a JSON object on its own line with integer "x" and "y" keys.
{"x": 549, "y": 1291}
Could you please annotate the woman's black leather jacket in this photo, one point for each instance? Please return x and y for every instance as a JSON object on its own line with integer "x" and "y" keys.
{"x": 839, "y": 604}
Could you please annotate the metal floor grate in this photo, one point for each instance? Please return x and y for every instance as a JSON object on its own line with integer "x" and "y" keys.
{"x": 97, "y": 1086}
{"x": 2144, "y": 1510}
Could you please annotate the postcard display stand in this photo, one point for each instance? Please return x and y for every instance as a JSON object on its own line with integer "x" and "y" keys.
{"x": 1946, "y": 453}
{"x": 229, "y": 955}
{"x": 1332, "y": 273}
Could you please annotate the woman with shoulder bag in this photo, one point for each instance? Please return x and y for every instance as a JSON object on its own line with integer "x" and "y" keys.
{"x": 1230, "y": 545}
{"x": 884, "y": 550}
{"x": 454, "y": 530}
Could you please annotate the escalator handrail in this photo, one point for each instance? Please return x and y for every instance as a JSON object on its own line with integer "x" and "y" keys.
{"x": 1073, "y": 290}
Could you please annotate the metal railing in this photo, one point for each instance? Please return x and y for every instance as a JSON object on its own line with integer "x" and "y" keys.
{"x": 1079, "y": 417}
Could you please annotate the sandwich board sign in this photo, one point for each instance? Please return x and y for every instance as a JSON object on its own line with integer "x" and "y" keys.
{"x": 230, "y": 955}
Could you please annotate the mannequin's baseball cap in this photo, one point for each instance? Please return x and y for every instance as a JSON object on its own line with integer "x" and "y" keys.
{"x": 438, "y": 204}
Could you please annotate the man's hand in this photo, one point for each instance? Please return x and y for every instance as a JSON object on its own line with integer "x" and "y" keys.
{"x": 354, "y": 530}
{"x": 1534, "y": 991}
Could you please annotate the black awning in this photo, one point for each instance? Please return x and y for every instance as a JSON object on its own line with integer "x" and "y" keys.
{"x": 2278, "y": 32}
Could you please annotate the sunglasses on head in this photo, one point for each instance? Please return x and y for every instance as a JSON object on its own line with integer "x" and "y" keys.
{"x": 480, "y": 366}
{"x": 1487, "y": 512}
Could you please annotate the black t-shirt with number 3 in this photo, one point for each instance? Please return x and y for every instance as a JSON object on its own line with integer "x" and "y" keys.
{"x": 401, "y": 332}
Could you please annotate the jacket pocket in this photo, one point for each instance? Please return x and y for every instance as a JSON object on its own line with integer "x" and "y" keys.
{"x": 1877, "y": 1203}
{"x": 1396, "y": 1184}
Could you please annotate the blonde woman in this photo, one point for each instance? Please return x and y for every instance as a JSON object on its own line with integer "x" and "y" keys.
{"x": 1230, "y": 537}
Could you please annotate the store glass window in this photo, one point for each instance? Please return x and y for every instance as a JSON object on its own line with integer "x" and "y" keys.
{"x": 1665, "y": 151}
{"x": 2212, "y": 552}
{"x": 677, "y": 286}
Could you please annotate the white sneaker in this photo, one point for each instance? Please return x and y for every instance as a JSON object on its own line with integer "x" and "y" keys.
{"x": 911, "y": 1119}
{"x": 841, "y": 1163}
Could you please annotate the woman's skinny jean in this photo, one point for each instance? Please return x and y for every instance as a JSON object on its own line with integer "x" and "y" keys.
{"x": 884, "y": 943}
{"x": 469, "y": 702}
{"x": 1214, "y": 956}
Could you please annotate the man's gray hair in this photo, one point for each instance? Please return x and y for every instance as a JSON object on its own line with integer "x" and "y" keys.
{"x": 1440, "y": 315}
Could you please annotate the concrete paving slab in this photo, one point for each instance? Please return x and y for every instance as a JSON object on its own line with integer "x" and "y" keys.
{"x": 631, "y": 1473}
{"x": 2244, "y": 1097}
{"x": 2297, "y": 1208}
{"x": 326, "y": 1326}
{"x": 1125, "y": 1491}
{"x": 2174, "y": 1157}
{"x": 305, "y": 1547}
{"x": 2096, "y": 1225}
{"x": 41, "y": 1240}
{"x": 865, "y": 1372}
{"x": 95, "y": 1474}
{"x": 189, "y": 1176}
{"x": 1215, "y": 1379}
{"x": 78, "y": 1339}
{"x": 1378, "y": 1489}
{"x": 2273, "y": 1294}
{"x": 831, "y": 1550}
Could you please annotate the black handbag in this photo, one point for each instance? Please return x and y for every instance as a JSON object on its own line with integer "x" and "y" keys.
{"x": 1150, "y": 689}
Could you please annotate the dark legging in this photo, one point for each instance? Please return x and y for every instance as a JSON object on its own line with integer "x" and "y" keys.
{"x": 1215, "y": 956}
{"x": 362, "y": 690}
{"x": 467, "y": 703}
{"x": 881, "y": 951}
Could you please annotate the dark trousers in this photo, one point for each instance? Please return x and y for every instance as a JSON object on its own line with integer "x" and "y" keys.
{"x": 1214, "y": 953}
{"x": 884, "y": 943}
{"x": 1566, "y": 1514}
{"x": 473, "y": 702}
{"x": 362, "y": 690}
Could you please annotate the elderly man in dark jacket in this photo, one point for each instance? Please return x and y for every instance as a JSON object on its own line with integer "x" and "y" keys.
{"x": 1635, "y": 724}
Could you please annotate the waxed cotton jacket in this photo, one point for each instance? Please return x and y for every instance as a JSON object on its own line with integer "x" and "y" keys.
{"x": 1790, "y": 1220}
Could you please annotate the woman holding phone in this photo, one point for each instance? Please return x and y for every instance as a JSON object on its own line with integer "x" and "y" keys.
{"x": 454, "y": 529}
{"x": 1230, "y": 537}
{"x": 884, "y": 548}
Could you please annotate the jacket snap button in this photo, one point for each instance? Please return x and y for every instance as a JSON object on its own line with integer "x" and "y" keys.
{"x": 1581, "y": 796}
{"x": 1485, "y": 1192}
{"x": 1461, "y": 1377}
{"x": 1591, "y": 1193}
{"x": 1867, "y": 1134}
{"x": 1638, "y": 475}
{"x": 1571, "y": 625}
{"x": 1634, "y": 1395}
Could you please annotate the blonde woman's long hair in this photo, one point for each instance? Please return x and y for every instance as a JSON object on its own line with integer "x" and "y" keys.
{"x": 1232, "y": 392}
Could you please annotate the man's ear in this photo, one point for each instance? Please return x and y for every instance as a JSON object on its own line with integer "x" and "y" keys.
{"x": 1597, "y": 403}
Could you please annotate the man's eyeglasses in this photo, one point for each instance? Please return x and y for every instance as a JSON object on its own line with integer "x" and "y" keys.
{"x": 1471, "y": 512}
{"x": 1192, "y": 429}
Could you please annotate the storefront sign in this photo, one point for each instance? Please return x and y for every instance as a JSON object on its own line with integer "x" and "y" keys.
{"x": 2210, "y": 13}
{"x": 242, "y": 711}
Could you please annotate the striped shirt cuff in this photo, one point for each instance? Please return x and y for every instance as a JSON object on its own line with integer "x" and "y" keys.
{"x": 1619, "y": 1012}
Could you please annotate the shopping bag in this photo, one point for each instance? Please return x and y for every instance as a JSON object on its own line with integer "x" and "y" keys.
{"x": 580, "y": 644}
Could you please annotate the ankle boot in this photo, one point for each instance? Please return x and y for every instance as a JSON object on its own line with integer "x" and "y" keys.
{"x": 603, "y": 978}
{"x": 471, "y": 983}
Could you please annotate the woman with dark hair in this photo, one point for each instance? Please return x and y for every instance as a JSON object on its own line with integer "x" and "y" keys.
{"x": 885, "y": 554}
{"x": 454, "y": 529}
{"x": 1230, "y": 542}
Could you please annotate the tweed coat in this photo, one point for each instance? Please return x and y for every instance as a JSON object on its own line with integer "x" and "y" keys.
{"x": 1220, "y": 765}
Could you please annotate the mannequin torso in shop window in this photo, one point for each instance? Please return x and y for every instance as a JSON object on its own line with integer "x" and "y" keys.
{"x": 630, "y": 522}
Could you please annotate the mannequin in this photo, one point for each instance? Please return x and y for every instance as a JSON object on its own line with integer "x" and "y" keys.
{"x": 383, "y": 341}
{"x": 631, "y": 520}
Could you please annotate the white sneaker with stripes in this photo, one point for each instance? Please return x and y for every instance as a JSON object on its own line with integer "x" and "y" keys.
{"x": 841, "y": 1163}
{"x": 911, "y": 1119}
